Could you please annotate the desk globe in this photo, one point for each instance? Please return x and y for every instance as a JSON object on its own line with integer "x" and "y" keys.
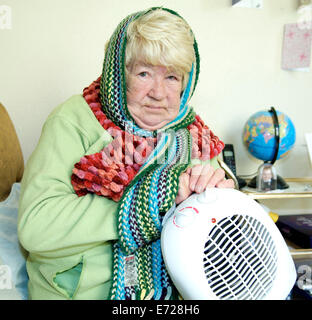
{"x": 269, "y": 136}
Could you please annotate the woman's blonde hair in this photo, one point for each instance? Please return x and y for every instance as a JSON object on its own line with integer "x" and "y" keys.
{"x": 161, "y": 38}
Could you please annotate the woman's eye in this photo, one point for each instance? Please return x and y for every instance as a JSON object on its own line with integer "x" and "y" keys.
{"x": 143, "y": 74}
{"x": 172, "y": 77}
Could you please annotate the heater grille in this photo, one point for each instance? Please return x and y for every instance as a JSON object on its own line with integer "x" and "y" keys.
{"x": 240, "y": 259}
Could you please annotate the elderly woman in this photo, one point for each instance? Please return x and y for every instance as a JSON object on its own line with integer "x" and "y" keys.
{"x": 111, "y": 162}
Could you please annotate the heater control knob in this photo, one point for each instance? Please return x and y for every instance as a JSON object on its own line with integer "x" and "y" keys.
{"x": 184, "y": 218}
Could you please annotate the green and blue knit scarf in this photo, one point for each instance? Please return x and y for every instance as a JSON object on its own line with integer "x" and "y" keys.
{"x": 138, "y": 267}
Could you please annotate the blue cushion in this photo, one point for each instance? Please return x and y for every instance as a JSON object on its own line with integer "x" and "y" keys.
{"x": 11, "y": 254}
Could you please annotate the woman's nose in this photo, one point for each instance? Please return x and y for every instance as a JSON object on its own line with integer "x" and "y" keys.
{"x": 158, "y": 89}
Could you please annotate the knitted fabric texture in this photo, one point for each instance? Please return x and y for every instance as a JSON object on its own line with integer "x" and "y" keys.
{"x": 139, "y": 169}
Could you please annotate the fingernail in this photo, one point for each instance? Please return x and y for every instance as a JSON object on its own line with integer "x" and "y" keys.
{"x": 192, "y": 186}
{"x": 209, "y": 186}
{"x": 199, "y": 189}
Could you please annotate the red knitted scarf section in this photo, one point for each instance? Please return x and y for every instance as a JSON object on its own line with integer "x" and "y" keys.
{"x": 108, "y": 172}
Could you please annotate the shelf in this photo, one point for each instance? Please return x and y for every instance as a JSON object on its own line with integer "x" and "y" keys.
{"x": 298, "y": 188}
{"x": 298, "y": 253}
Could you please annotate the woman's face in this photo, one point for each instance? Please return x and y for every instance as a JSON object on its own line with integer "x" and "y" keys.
{"x": 153, "y": 95}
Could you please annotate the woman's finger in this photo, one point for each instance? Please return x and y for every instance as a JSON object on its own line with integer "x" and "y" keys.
{"x": 194, "y": 175}
{"x": 217, "y": 177}
{"x": 229, "y": 183}
{"x": 206, "y": 174}
{"x": 184, "y": 190}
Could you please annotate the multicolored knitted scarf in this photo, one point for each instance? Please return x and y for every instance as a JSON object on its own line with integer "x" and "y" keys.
{"x": 140, "y": 169}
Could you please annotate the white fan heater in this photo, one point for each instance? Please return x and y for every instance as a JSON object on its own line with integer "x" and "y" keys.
{"x": 222, "y": 245}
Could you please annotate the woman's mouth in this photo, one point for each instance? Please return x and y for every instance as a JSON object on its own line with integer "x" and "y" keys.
{"x": 154, "y": 107}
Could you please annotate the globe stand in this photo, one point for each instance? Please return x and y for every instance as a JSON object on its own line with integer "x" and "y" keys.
{"x": 280, "y": 183}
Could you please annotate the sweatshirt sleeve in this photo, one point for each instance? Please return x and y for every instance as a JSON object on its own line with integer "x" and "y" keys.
{"x": 53, "y": 221}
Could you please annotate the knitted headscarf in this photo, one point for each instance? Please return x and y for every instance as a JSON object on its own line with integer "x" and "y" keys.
{"x": 140, "y": 169}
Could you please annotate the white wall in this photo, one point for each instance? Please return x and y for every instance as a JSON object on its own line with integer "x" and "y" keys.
{"x": 55, "y": 49}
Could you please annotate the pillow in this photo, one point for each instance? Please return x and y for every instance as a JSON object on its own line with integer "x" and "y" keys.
{"x": 12, "y": 256}
{"x": 11, "y": 157}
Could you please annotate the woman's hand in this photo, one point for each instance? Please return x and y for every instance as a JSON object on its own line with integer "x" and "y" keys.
{"x": 200, "y": 177}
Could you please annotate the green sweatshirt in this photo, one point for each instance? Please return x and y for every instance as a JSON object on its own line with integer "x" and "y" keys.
{"x": 68, "y": 237}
